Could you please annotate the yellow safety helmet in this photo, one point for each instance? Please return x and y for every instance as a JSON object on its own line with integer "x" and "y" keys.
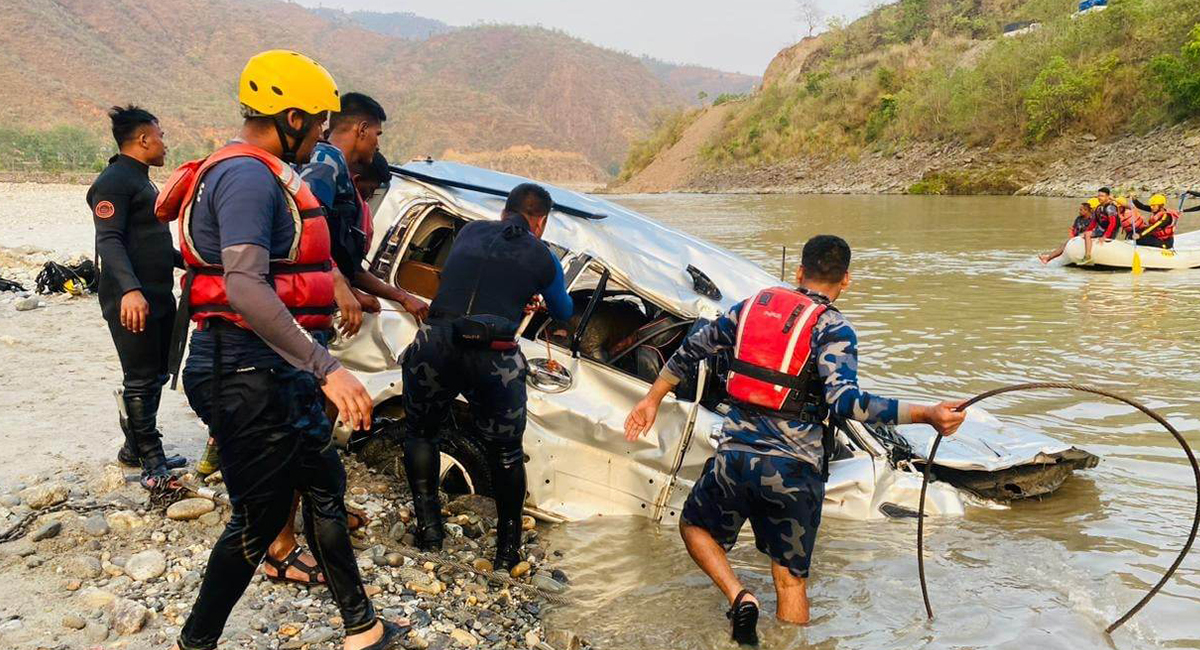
{"x": 278, "y": 80}
{"x": 1122, "y": 202}
{"x": 1095, "y": 203}
{"x": 1158, "y": 200}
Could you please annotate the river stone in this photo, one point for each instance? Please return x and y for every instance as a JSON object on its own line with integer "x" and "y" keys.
{"x": 129, "y": 617}
{"x": 27, "y": 303}
{"x": 93, "y": 598}
{"x": 409, "y": 574}
{"x": 463, "y": 638}
{"x": 72, "y": 622}
{"x": 95, "y": 632}
{"x": 319, "y": 635}
{"x": 482, "y": 565}
{"x": 124, "y": 521}
{"x": 189, "y": 509}
{"x": 96, "y": 526}
{"x": 45, "y": 495}
{"x": 146, "y": 565}
{"x": 527, "y": 522}
{"x": 563, "y": 640}
{"x": 520, "y": 569}
{"x": 532, "y": 639}
{"x": 84, "y": 567}
{"x": 47, "y": 531}
{"x": 546, "y": 583}
{"x": 210, "y": 519}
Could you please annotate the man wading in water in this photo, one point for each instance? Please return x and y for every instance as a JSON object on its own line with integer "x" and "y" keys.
{"x": 772, "y": 464}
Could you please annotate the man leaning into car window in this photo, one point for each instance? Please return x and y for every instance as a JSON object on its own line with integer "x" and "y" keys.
{"x": 771, "y": 464}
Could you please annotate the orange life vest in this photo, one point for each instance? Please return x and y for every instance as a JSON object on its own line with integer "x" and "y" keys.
{"x": 772, "y": 369}
{"x": 303, "y": 279}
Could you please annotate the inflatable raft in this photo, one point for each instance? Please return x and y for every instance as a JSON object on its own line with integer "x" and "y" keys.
{"x": 1118, "y": 254}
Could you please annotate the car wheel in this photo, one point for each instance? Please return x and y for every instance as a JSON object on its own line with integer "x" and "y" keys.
{"x": 464, "y": 466}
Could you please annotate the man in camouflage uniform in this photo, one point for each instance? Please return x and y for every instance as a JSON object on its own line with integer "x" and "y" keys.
{"x": 768, "y": 468}
{"x": 494, "y": 270}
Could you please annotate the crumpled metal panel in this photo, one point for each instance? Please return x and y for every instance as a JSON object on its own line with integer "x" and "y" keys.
{"x": 985, "y": 443}
{"x": 655, "y": 256}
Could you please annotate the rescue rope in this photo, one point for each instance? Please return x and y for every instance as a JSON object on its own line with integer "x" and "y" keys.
{"x": 1083, "y": 389}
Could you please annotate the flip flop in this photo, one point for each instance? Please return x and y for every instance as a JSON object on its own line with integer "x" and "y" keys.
{"x": 292, "y": 561}
{"x": 744, "y": 617}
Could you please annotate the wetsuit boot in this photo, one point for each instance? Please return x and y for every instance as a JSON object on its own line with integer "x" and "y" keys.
{"x": 508, "y": 484}
{"x": 128, "y": 455}
{"x": 422, "y": 464}
{"x": 142, "y": 416}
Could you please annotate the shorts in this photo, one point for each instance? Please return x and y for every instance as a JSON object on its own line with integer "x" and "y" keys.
{"x": 780, "y": 496}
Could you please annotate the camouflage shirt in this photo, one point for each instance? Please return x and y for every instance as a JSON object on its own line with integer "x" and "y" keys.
{"x": 834, "y": 346}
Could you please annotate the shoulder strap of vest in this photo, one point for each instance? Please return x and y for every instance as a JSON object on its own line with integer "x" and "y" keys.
{"x": 287, "y": 176}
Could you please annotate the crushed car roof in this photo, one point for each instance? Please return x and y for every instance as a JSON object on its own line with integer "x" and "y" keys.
{"x": 650, "y": 256}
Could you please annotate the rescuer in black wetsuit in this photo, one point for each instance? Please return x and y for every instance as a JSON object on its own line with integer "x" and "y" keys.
{"x": 468, "y": 346}
{"x": 137, "y": 261}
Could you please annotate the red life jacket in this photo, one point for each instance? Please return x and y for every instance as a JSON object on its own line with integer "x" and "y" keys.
{"x": 1167, "y": 230}
{"x": 772, "y": 368}
{"x": 303, "y": 279}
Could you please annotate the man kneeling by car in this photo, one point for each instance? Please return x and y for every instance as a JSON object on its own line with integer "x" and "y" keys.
{"x": 795, "y": 362}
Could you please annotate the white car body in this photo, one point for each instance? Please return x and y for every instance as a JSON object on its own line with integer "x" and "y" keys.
{"x": 579, "y": 464}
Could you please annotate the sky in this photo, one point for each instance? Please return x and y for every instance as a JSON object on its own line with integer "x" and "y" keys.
{"x": 728, "y": 35}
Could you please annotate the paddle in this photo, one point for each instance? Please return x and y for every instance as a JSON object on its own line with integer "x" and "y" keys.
{"x": 1137, "y": 257}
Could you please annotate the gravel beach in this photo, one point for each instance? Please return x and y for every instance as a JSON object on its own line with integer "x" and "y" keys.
{"x": 101, "y": 567}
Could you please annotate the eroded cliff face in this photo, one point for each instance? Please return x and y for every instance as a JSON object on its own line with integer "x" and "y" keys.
{"x": 792, "y": 61}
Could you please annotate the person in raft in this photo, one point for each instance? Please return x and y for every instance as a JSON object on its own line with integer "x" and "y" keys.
{"x": 1084, "y": 222}
{"x": 773, "y": 461}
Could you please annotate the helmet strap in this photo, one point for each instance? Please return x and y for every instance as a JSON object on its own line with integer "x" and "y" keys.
{"x": 284, "y": 129}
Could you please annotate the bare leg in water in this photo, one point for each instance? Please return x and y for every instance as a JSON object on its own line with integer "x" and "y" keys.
{"x": 792, "y": 593}
{"x": 711, "y": 558}
{"x": 1054, "y": 254}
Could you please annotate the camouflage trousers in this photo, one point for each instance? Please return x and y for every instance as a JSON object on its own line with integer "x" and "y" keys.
{"x": 436, "y": 371}
{"x": 780, "y": 496}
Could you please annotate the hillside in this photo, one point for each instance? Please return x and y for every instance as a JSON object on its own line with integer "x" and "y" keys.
{"x": 399, "y": 24}
{"x": 474, "y": 89}
{"x": 928, "y": 96}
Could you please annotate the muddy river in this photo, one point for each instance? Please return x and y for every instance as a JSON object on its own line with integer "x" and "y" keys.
{"x": 949, "y": 300}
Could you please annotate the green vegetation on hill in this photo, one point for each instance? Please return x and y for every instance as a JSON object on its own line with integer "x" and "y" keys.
{"x": 939, "y": 70}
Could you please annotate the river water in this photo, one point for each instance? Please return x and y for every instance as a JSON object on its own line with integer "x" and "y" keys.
{"x": 949, "y": 300}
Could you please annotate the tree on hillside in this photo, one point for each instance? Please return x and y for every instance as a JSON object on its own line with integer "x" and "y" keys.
{"x": 810, "y": 15}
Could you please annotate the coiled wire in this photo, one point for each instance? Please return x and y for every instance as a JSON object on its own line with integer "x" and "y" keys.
{"x": 1083, "y": 389}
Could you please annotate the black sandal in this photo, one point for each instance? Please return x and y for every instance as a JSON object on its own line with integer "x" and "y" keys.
{"x": 292, "y": 561}
{"x": 392, "y": 634}
{"x": 744, "y": 616}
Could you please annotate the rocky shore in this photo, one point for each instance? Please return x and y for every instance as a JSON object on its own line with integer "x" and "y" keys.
{"x": 1166, "y": 160}
{"x": 111, "y": 570}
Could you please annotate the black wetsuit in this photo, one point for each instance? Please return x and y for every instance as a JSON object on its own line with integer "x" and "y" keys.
{"x": 494, "y": 269}
{"x": 135, "y": 253}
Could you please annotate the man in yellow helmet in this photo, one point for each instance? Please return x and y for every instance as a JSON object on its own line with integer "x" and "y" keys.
{"x": 1160, "y": 225}
{"x": 260, "y": 285}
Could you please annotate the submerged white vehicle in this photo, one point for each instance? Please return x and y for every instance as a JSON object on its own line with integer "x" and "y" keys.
{"x": 639, "y": 289}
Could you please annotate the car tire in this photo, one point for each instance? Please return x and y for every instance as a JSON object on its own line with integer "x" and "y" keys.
{"x": 464, "y": 465}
